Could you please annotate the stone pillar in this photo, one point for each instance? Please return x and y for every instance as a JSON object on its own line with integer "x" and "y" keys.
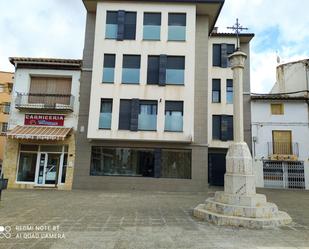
{"x": 239, "y": 205}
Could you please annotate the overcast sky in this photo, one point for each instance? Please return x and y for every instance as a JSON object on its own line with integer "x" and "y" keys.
{"x": 55, "y": 28}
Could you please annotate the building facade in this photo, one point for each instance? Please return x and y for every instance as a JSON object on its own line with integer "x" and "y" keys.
{"x": 220, "y": 101}
{"x": 144, "y": 115}
{"x": 280, "y": 130}
{"x": 6, "y": 84}
{"x": 40, "y": 150}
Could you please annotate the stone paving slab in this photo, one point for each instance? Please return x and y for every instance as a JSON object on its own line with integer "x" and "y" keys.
{"x": 125, "y": 220}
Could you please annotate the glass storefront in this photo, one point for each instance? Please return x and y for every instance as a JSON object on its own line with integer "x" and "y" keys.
{"x": 140, "y": 162}
{"x": 42, "y": 164}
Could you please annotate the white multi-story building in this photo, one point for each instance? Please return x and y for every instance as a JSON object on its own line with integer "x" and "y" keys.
{"x": 40, "y": 149}
{"x": 280, "y": 129}
{"x": 145, "y": 84}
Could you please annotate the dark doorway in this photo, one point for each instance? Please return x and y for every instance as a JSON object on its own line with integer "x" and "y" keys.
{"x": 216, "y": 168}
{"x": 146, "y": 163}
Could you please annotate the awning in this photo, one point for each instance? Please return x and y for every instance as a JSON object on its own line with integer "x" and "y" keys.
{"x": 39, "y": 133}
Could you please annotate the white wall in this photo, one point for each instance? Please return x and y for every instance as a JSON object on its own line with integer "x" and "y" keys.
{"x": 218, "y": 108}
{"x": 295, "y": 119}
{"x": 22, "y": 81}
{"x": 119, "y": 91}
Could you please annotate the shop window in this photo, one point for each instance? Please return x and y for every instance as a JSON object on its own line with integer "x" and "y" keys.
{"x": 105, "y": 120}
{"x": 173, "y": 116}
{"x": 176, "y": 164}
{"x": 152, "y": 26}
{"x": 140, "y": 162}
{"x": 229, "y": 91}
{"x": 131, "y": 69}
{"x": 176, "y": 26}
{"x": 109, "y": 68}
{"x": 216, "y": 90}
{"x": 26, "y": 167}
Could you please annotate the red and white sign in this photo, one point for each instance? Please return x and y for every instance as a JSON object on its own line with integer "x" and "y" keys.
{"x": 44, "y": 120}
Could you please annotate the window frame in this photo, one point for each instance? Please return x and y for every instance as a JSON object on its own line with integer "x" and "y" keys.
{"x": 275, "y": 112}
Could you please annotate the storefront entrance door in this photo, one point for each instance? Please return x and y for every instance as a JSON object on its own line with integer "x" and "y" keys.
{"x": 49, "y": 168}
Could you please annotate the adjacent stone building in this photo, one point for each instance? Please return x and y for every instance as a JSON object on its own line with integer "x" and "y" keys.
{"x": 6, "y": 85}
{"x": 40, "y": 149}
{"x": 146, "y": 109}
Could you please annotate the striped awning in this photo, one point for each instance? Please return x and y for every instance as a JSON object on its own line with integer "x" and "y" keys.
{"x": 39, "y": 133}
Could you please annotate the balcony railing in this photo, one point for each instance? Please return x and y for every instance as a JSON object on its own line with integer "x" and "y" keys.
{"x": 44, "y": 101}
{"x": 147, "y": 122}
{"x": 283, "y": 150}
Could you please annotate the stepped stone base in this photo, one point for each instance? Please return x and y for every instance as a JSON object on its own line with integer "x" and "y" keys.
{"x": 265, "y": 216}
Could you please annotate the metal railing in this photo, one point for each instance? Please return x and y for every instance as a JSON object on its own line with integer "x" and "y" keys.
{"x": 44, "y": 101}
{"x": 283, "y": 174}
{"x": 283, "y": 148}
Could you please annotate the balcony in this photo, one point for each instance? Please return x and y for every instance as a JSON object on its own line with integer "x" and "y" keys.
{"x": 283, "y": 151}
{"x": 44, "y": 101}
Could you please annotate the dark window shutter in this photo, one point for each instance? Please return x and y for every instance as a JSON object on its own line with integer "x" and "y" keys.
{"x": 134, "y": 114}
{"x": 224, "y": 128}
{"x": 230, "y": 132}
{"x": 121, "y": 21}
{"x": 131, "y": 61}
{"x": 216, "y": 127}
{"x": 153, "y": 70}
{"x": 176, "y": 106}
{"x": 125, "y": 114}
{"x": 152, "y": 19}
{"x": 130, "y": 25}
{"x": 175, "y": 62}
{"x": 109, "y": 60}
{"x": 157, "y": 163}
{"x": 162, "y": 70}
{"x": 111, "y": 17}
{"x": 230, "y": 48}
{"x": 224, "y": 55}
{"x": 216, "y": 55}
{"x": 177, "y": 19}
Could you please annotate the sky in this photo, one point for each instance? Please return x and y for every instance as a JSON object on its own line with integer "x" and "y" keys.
{"x": 56, "y": 28}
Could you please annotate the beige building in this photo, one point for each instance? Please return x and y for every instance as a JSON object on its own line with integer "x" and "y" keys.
{"x": 6, "y": 84}
{"x": 145, "y": 113}
{"x": 40, "y": 149}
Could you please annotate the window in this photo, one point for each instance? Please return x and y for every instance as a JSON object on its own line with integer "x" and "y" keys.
{"x": 137, "y": 115}
{"x": 131, "y": 69}
{"x": 140, "y": 162}
{"x": 26, "y": 167}
{"x": 4, "y": 127}
{"x": 106, "y": 114}
{"x": 109, "y": 68}
{"x": 216, "y": 90}
{"x": 120, "y": 25}
{"x": 175, "y": 70}
{"x": 277, "y": 109}
{"x": 111, "y": 29}
{"x": 222, "y": 127}
{"x": 229, "y": 91}
{"x": 153, "y": 69}
{"x": 220, "y": 54}
{"x": 282, "y": 142}
{"x": 176, "y": 27}
{"x": 6, "y": 108}
{"x": 173, "y": 116}
{"x": 147, "y": 118}
{"x": 152, "y": 26}
{"x": 2, "y": 88}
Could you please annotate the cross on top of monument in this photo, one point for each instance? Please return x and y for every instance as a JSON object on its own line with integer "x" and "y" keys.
{"x": 237, "y": 28}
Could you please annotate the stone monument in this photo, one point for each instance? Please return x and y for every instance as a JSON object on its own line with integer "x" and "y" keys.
{"x": 239, "y": 204}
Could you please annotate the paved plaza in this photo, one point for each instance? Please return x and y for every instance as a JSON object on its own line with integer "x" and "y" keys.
{"x": 42, "y": 219}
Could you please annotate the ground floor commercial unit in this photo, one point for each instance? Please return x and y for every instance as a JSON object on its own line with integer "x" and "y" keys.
{"x": 123, "y": 165}
{"x": 40, "y": 163}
